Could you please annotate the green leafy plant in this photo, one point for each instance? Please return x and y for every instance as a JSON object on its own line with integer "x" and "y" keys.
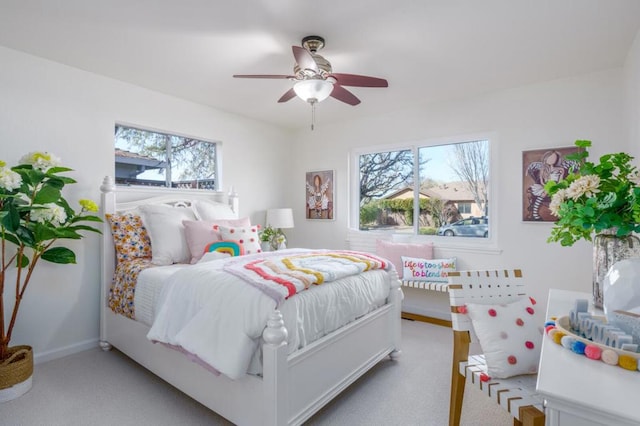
{"x": 33, "y": 217}
{"x": 267, "y": 233}
{"x": 596, "y": 197}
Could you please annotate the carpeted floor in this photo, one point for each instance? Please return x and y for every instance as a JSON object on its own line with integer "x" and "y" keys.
{"x": 106, "y": 388}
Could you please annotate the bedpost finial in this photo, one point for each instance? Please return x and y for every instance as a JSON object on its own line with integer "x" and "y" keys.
{"x": 233, "y": 200}
{"x": 275, "y": 333}
{"x": 108, "y": 185}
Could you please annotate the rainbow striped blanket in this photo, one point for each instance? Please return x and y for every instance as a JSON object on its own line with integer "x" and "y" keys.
{"x": 280, "y": 276}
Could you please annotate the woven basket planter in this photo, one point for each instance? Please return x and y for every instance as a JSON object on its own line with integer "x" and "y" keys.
{"x": 16, "y": 372}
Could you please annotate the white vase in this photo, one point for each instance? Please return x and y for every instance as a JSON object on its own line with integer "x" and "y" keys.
{"x": 621, "y": 288}
{"x": 622, "y": 297}
{"x": 607, "y": 250}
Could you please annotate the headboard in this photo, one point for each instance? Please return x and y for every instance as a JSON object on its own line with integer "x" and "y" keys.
{"x": 116, "y": 199}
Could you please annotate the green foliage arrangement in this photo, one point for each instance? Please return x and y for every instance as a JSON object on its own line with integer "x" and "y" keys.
{"x": 267, "y": 233}
{"x": 33, "y": 216}
{"x": 596, "y": 197}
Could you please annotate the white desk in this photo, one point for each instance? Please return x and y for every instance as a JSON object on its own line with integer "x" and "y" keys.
{"x": 579, "y": 391}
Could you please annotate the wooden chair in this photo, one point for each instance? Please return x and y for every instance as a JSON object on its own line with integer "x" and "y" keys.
{"x": 517, "y": 394}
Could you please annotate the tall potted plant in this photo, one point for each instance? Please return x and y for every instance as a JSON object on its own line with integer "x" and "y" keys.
{"x": 600, "y": 202}
{"x": 34, "y": 216}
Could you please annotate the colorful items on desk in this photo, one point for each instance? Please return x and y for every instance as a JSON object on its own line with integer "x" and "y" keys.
{"x": 591, "y": 351}
{"x": 616, "y": 334}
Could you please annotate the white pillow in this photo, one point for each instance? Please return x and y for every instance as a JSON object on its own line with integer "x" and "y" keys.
{"x": 210, "y": 210}
{"x": 166, "y": 232}
{"x": 199, "y": 233}
{"x": 510, "y": 336}
{"x": 247, "y": 237}
{"x": 213, "y": 255}
{"x": 418, "y": 269}
{"x": 393, "y": 252}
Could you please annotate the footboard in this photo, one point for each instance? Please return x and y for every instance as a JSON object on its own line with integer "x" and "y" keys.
{"x": 292, "y": 388}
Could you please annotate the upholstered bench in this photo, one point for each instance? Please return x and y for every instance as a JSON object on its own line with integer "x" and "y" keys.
{"x": 426, "y": 301}
{"x": 436, "y": 300}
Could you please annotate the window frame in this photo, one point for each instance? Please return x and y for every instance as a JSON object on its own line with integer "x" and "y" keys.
{"x": 218, "y": 182}
{"x": 488, "y": 245}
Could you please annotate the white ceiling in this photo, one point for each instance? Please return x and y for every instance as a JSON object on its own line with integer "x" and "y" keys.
{"x": 428, "y": 50}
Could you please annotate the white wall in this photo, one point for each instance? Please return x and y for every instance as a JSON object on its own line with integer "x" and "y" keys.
{"x": 553, "y": 114}
{"x": 632, "y": 79}
{"x": 48, "y": 106}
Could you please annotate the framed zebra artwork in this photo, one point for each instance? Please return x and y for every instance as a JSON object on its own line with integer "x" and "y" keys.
{"x": 540, "y": 166}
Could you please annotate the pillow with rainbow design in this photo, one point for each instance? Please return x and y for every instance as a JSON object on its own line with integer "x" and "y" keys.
{"x": 232, "y": 248}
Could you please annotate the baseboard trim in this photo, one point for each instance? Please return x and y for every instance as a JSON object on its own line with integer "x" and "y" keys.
{"x": 41, "y": 357}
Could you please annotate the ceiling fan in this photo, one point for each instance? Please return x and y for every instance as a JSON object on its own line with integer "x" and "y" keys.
{"x": 314, "y": 78}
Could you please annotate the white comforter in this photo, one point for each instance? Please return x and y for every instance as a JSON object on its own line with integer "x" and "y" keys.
{"x": 219, "y": 318}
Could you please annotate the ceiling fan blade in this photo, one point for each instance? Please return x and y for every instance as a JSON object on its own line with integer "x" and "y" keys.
{"x": 342, "y": 94}
{"x": 273, "y": 76}
{"x": 359, "y": 80}
{"x": 289, "y": 94}
{"x": 304, "y": 59}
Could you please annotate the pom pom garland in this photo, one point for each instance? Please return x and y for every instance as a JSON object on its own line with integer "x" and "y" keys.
{"x": 591, "y": 351}
{"x": 578, "y": 347}
{"x": 557, "y": 337}
{"x": 610, "y": 357}
{"x": 628, "y": 362}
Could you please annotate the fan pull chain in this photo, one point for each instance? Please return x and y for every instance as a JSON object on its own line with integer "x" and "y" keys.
{"x": 313, "y": 114}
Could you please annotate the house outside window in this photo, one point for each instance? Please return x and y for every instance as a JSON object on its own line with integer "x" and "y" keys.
{"x": 464, "y": 207}
{"x": 153, "y": 158}
{"x": 423, "y": 188}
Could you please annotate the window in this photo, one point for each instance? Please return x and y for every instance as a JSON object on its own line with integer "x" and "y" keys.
{"x": 464, "y": 207}
{"x": 145, "y": 157}
{"x": 440, "y": 185}
{"x": 385, "y": 192}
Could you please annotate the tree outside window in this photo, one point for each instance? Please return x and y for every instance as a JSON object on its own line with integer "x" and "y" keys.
{"x": 452, "y": 184}
{"x": 144, "y": 157}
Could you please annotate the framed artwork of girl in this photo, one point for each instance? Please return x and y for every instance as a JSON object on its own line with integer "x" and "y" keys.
{"x": 319, "y": 195}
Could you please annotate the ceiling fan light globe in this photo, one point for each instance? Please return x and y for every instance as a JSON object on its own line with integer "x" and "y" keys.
{"x": 313, "y": 90}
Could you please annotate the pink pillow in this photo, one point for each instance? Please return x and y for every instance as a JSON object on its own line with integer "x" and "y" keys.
{"x": 393, "y": 252}
{"x": 200, "y": 233}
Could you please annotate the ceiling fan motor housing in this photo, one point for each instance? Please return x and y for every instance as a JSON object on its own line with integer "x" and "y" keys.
{"x": 312, "y": 44}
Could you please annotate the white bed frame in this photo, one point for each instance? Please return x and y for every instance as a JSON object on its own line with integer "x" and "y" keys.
{"x": 292, "y": 387}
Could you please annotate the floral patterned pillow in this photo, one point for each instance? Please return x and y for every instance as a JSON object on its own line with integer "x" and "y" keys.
{"x": 129, "y": 237}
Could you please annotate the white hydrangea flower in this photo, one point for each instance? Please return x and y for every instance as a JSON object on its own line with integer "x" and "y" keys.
{"x": 584, "y": 185}
{"x": 41, "y": 160}
{"x": 52, "y": 213}
{"x": 9, "y": 179}
{"x": 556, "y": 200}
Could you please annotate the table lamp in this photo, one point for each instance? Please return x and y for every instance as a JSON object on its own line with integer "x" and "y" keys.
{"x": 279, "y": 219}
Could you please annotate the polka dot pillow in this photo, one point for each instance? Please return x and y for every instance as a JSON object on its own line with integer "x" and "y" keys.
{"x": 510, "y": 336}
{"x": 130, "y": 237}
{"x": 246, "y": 236}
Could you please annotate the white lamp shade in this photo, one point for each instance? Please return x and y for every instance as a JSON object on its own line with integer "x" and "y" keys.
{"x": 313, "y": 89}
{"x": 280, "y": 218}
